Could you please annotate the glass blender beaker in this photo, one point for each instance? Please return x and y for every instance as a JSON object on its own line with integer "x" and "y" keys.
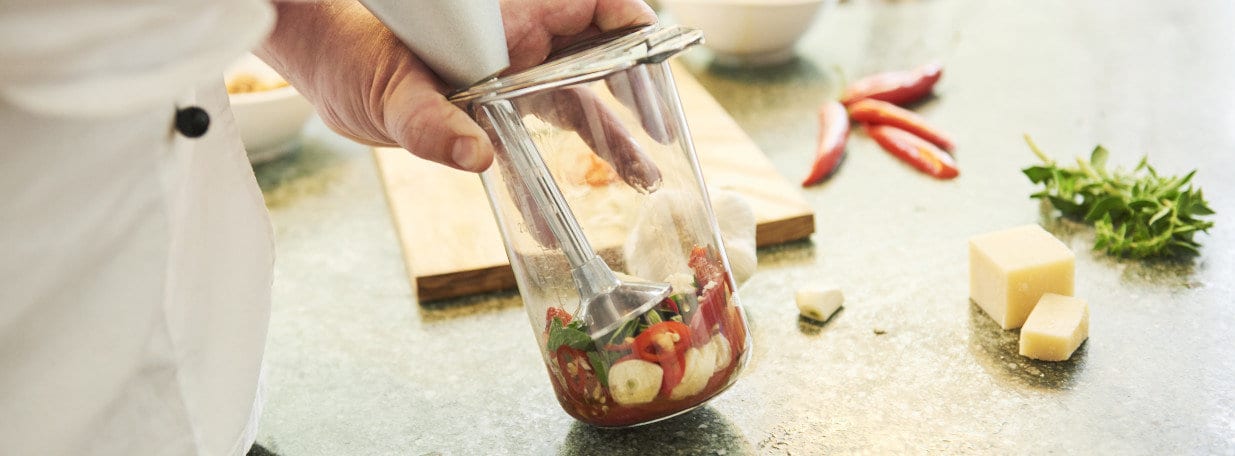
{"x": 604, "y": 121}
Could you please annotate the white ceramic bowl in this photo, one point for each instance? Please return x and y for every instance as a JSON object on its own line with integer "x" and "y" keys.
{"x": 270, "y": 121}
{"x": 748, "y": 32}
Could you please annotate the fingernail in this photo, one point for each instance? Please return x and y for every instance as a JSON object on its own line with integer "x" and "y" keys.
{"x": 464, "y": 153}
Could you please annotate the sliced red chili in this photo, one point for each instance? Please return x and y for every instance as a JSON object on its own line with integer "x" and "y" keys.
{"x": 559, "y": 313}
{"x": 706, "y": 270}
{"x": 662, "y": 339}
{"x": 734, "y": 330}
{"x": 674, "y": 368}
{"x": 712, "y": 304}
{"x": 670, "y": 305}
{"x": 581, "y": 387}
{"x": 665, "y": 343}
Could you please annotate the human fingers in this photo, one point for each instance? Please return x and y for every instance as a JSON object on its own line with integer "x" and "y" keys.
{"x": 517, "y": 186}
{"x": 368, "y": 86}
{"x": 635, "y": 89}
{"x": 616, "y": 14}
{"x": 420, "y": 119}
{"x": 535, "y": 28}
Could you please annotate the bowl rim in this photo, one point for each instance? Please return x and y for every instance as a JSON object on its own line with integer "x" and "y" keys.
{"x": 745, "y": 2}
{"x": 263, "y": 95}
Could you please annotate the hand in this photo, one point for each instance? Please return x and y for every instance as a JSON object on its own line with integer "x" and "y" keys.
{"x": 369, "y": 87}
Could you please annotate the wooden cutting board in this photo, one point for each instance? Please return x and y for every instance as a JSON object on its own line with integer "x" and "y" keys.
{"x": 451, "y": 242}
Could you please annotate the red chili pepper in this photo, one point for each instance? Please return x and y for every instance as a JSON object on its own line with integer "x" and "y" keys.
{"x": 734, "y": 330}
{"x": 581, "y": 382}
{"x": 559, "y": 313}
{"x": 674, "y": 368}
{"x": 700, "y": 329}
{"x": 706, "y": 270}
{"x": 870, "y": 111}
{"x": 713, "y": 294}
{"x": 914, "y": 150}
{"x": 665, "y": 343}
{"x": 663, "y": 339}
{"x": 833, "y": 134}
{"x": 670, "y": 305}
{"x": 711, "y": 307}
{"x": 896, "y": 87}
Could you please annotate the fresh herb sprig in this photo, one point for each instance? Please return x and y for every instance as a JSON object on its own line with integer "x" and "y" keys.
{"x": 1135, "y": 213}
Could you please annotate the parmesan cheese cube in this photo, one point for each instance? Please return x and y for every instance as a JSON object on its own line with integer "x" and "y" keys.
{"x": 1010, "y": 270}
{"x": 1055, "y": 328}
{"x": 819, "y": 303}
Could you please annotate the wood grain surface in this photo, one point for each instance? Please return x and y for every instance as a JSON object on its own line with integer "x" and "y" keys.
{"x": 451, "y": 243}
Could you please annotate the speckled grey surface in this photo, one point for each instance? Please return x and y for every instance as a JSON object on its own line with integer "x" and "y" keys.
{"x": 356, "y": 367}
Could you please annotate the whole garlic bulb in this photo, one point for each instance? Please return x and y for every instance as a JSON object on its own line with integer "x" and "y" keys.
{"x": 656, "y": 247}
{"x": 736, "y": 220}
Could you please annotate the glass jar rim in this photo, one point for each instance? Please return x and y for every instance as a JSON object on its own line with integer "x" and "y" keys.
{"x": 588, "y": 60}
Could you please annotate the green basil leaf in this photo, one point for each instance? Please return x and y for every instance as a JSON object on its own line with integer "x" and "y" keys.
{"x": 571, "y": 335}
{"x": 627, "y": 330}
{"x": 600, "y": 365}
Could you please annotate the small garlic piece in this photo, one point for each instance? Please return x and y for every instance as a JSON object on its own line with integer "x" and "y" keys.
{"x": 666, "y": 228}
{"x": 682, "y": 282}
{"x": 724, "y": 353}
{"x": 635, "y": 381}
{"x": 819, "y": 303}
{"x": 654, "y": 247}
{"x": 700, "y": 364}
{"x": 736, "y": 220}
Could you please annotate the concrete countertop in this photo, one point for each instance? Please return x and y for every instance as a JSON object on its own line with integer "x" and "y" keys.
{"x": 356, "y": 366}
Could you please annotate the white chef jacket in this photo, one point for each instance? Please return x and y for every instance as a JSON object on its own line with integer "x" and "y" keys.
{"x": 135, "y": 262}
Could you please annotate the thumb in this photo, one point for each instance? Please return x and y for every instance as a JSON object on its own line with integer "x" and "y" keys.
{"x": 420, "y": 119}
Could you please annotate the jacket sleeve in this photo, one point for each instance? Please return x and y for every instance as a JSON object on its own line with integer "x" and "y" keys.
{"x": 104, "y": 58}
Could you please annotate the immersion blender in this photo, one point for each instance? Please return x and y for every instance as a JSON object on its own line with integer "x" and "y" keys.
{"x": 464, "y": 42}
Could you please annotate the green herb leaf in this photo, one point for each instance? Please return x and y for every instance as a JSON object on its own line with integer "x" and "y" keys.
{"x": 1158, "y": 216}
{"x": 1037, "y": 174}
{"x": 571, "y": 335}
{"x": 1104, "y": 207}
{"x": 1136, "y": 213}
{"x": 653, "y": 317}
{"x": 627, "y": 330}
{"x": 600, "y": 365}
{"x": 1097, "y": 158}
